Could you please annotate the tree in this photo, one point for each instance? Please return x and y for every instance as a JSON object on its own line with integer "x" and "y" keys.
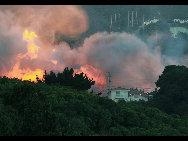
{"x": 31, "y": 109}
{"x": 78, "y": 82}
{"x": 173, "y": 92}
{"x": 51, "y": 78}
{"x": 66, "y": 77}
{"x": 82, "y": 82}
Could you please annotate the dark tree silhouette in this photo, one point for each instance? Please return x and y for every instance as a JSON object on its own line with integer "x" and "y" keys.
{"x": 66, "y": 77}
{"x": 51, "y": 78}
{"x": 78, "y": 82}
{"x": 82, "y": 82}
{"x": 172, "y": 96}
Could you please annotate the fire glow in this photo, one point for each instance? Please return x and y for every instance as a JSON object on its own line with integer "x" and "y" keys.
{"x": 32, "y": 48}
{"x": 131, "y": 61}
{"x": 95, "y": 74}
{"x": 33, "y": 52}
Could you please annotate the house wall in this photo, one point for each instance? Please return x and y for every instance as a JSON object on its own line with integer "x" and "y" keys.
{"x": 137, "y": 98}
{"x": 123, "y": 95}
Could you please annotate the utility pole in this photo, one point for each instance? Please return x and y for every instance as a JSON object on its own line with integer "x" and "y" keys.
{"x": 109, "y": 81}
{"x": 132, "y": 18}
{"x": 128, "y": 18}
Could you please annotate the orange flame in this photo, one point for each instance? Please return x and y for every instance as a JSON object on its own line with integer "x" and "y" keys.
{"x": 32, "y": 49}
{"x": 54, "y": 61}
{"x": 93, "y": 73}
{"x": 25, "y": 74}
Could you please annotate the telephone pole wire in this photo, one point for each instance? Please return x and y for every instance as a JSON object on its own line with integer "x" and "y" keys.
{"x": 109, "y": 81}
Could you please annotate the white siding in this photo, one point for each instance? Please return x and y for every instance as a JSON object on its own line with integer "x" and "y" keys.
{"x": 137, "y": 98}
{"x": 123, "y": 95}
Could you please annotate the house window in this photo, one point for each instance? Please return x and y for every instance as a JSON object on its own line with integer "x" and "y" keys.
{"x": 117, "y": 93}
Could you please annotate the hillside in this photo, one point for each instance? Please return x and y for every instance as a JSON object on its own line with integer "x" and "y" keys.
{"x": 33, "y": 109}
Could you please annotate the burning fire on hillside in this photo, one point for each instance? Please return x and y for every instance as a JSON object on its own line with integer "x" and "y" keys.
{"x": 29, "y": 46}
{"x": 33, "y": 52}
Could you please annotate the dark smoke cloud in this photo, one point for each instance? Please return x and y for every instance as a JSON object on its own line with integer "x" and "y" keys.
{"x": 131, "y": 61}
{"x": 11, "y": 42}
{"x": 69, "y": 20}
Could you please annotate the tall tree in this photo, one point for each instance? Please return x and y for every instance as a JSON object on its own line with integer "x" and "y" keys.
{"x": 82, "y": 82}
{"x": 173, "y": 92}
{"x": 66, "y": 78}
{"x": 51, "y": 78}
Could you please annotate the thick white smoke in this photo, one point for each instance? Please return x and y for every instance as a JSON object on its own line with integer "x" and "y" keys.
{"x": 131, "y": 61}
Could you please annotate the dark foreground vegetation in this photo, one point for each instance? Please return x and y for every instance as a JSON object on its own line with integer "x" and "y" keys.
{"x": 38, "y": 109}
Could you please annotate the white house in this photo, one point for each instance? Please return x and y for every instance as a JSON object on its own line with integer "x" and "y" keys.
{"x": 137, "y": 94}
{"x": 127, "y": 94}
{"x": 119, "y": 94}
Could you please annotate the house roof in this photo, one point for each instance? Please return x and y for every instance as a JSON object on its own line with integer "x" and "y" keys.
{"x": 120, "y": 88}
{"x": 135, "y": 91}
{"x": 132, "y": 91}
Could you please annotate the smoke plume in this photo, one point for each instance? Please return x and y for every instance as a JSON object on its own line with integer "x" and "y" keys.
{"x": 130, "y": 60}
{"x": 27, "y": 36}
{"x": 46, "y": 21}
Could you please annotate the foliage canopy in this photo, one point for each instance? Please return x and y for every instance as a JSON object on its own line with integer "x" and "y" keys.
{"x": 33, "y": 109}
{"x": 172, "y": 96}
{"x": 66, "y": 78}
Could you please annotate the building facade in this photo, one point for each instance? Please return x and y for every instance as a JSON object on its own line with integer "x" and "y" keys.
{"x": 119, "y": 93}
{"x": 131, "y": 94}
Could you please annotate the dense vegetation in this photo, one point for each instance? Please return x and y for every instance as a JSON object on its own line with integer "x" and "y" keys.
{"x": 172, "y": 96}
{"x": 66, "y": 78}
{"x": 29, "y": 108}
